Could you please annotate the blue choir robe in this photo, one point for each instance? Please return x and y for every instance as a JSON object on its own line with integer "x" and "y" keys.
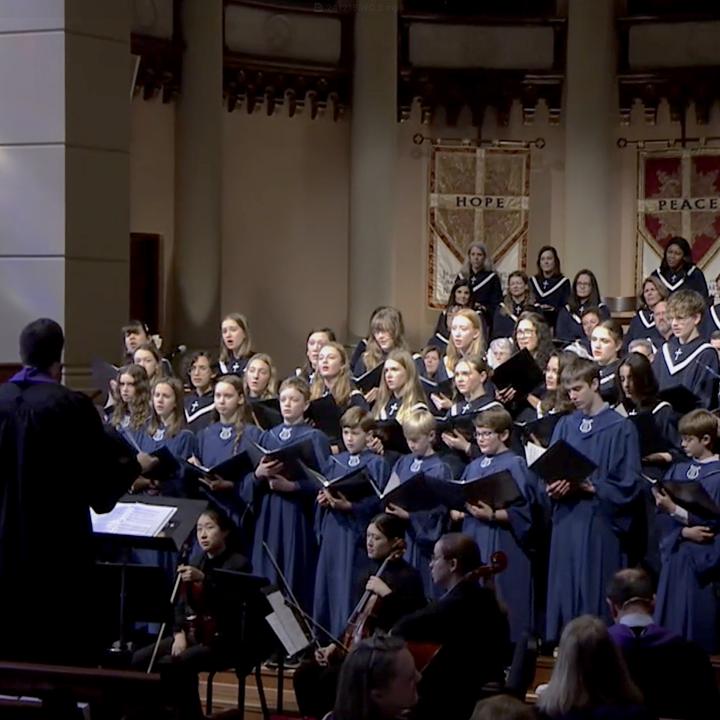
{"x": 552, "y": 291}
{"x": 687, "y": 601}
{"x": 711, "y": 322}
{"x": 506, "y": 317}
{"x": 199, "y": 410}
{"x": 392, "y": 406}
{"x": 642, "y": 326}
{"x": 665, "y": 426}
{"x": 694, "y": 365}
{"x": 569, "y": 323}
{"x": 608, "y": 384}
{"x": 215, "y": 444}
{"x": 485, "y": 291}
{"x": 692, "y": 279}
{"x": 357, "y": 354}
{"x": 234, "y": 366}
{"x": 590, "y": 532}
{"x": 513, "y": 585}
{"x": 285, "y": 520}
{"x": 427, "y": 526}
{"x": 343, "y": 560}
{"x": 441, "y": 334}
{"x": 182, "y": 446}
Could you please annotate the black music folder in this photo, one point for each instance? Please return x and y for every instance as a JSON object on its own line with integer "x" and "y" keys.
{"x": 266, "y": 412}
{"x": 392, "y": 435}
{"x": 354, "y": 486}
{"x": 233, "y": 469}
{"x": 519, "y": 371}
{"x": 498, "y": 490}
{"x": 693, "y": 497}
{"x": 325, "y": 415}
{"x": 562, "y": 461}
{"x": 540, "y": 430}
{"x": 416, "y": 494}
{"x": 371, "y": 379}
{"x": 682, "y": 399}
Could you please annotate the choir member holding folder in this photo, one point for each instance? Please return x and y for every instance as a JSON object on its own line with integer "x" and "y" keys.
{"x": 344, "y": 507}
{"x": 285, "y": 497}
{"x": 427, "y": 512}
{"x": 497, "y": 495}
{"x": 228, "y": 486}
{"x": 592, "y": 511}
{"x": 688, "y": 500}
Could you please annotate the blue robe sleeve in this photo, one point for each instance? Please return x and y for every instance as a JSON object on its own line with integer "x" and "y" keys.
{"x": 619, "y": 487}
{"x": 520, "y": 515}
{"x": 566, "y": 328}
{"x": 427, "y": 527}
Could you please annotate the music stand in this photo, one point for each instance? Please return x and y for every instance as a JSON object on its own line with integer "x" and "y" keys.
{"x": 172, "y": 537}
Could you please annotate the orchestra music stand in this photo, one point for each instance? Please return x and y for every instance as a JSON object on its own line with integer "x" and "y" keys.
{"x": 150, "y": 579}
{"x": 240, "y": 599}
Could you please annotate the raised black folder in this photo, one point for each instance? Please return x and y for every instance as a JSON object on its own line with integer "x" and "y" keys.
{"x": 562, "y": 461}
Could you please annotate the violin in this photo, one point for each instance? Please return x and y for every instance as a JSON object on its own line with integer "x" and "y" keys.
{"x": 359, "y": 625}
{"x": 200, "y": 627}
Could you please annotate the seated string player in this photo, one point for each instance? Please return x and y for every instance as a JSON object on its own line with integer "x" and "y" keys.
{"x": 398, "y": 588}
{"x": 208, "y": 632}
{"x": 468, "y": 626}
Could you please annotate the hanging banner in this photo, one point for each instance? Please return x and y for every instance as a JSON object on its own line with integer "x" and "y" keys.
{"x": 475, "y": 194}
{"x": 678, "y": 194}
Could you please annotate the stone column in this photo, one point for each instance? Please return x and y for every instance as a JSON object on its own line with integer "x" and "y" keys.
{"x": 591, "y": 114}
{"x": 198, "y": 171}
{"x": 373, "y": 161}
{"x": 64, "y": 134}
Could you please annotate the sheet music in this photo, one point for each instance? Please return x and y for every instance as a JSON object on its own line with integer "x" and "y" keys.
{"x": 285, "y": 625}
{"x": 138, "y": 519}
{"x": 533, "y": 452}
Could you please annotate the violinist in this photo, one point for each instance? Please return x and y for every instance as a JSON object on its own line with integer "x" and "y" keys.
{"x": 203, "y": 638}
{"x": 467, "y": 624}
{"x": 394, "y": 592}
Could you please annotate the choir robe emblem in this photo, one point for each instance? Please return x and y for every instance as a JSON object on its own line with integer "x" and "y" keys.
{"x": 195, "y": 405}
{"x": 125, "y": 422}
{"x": 586, "y": 425}
{"x": 353, "y": 461}
{"x": 159, "y": 435}
{"x": 285, "y": 434}
{"x": 485, "y": 462}
{"x": 693, "y": 472}
{"x": 416, "y": 465}
{"x": 226, "y": 433}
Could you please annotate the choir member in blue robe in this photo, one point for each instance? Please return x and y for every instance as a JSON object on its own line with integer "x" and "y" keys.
{"x": 340, "y": 525}
{"x": 166, "y": 428}
{"x": 550, "y": 287}
{"x": 132, "y": 409}
{"x": 687, "y": 601}
{"x": 677, "y": 270}
{"x": 643, "y": 323}
{"x": 506, "y": 529}
{"x": 426, "y": 526}
{"x": 606, "y": 343}
{"x": 199, "y": 402}
{"x": 485, "y": 287}
{"x": 470, "y": 380}
{"x": 585, "y": 294}
{"x": 591, "y": 521}
{"x": 232, "y": 433}
{"x": 235, "y": 345}
{"x": 519, "y": 297}
{"x": 316, "y": 338}
{"x": 711, "y": 321}
{"x": 659, "y": 446}
{"x": 686, "y": 359}
{"x": 285, "y": 517}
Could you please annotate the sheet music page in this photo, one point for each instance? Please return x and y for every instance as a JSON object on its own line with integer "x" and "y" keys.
{"x": 285, "y": 625}
{"x": 533, "y": 452}
{"x": 138, "y": 519}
